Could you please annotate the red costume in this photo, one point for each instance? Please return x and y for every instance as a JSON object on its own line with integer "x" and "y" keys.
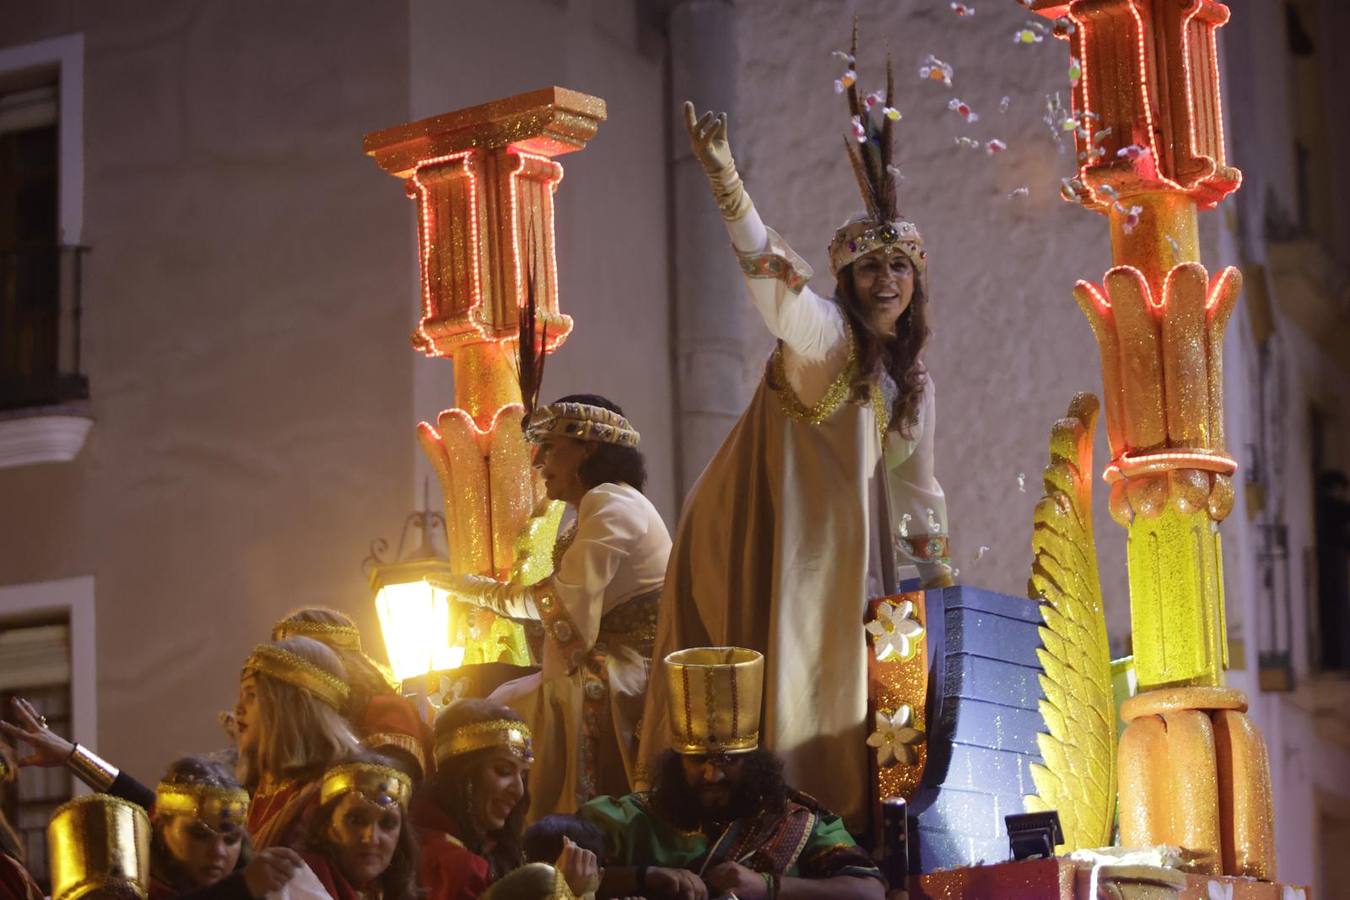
{"x": 449, "y": 870}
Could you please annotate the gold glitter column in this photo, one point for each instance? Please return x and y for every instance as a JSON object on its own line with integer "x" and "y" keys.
{"x": 483, "y": 180}
{"x": 1148, "y": 124}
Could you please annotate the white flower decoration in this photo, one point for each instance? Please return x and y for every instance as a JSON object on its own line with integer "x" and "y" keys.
{"x": 895, "y": 739}
{"x": 895, "y": 631}
{"x": 448, "y": 691}
{"x": 1220, "y": 890}
{"x": 1293, "y": 893}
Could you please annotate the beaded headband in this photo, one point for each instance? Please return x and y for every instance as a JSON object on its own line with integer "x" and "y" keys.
{"x": 286, "y": 666}
{"x": 344, "y": 637}
{"x": 219, "y": 808}
{"x": 859, "y": 237}
{"x": 582, "y": 422}
{"x": 507, "y": 734}
{"x": 380, "y": 785}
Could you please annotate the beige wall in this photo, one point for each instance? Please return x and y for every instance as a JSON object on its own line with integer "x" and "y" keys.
{"x": 245, "y": 336}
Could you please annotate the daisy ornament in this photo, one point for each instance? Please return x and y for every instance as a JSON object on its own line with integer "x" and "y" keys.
{"x": 895, "y": 631}
{"x": 896, "y": 740}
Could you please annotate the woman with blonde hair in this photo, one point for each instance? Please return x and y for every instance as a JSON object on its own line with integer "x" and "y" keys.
{"x": 384, "y": 719}
{"x": 289, "y": 730}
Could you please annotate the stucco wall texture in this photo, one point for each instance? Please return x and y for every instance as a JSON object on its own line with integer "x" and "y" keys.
{"x": 246, "y": 343}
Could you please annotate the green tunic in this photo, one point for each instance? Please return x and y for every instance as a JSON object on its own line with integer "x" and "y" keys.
{"x": 801, "y": 841}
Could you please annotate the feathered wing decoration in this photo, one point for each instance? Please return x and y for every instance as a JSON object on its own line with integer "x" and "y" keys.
{"x": 872, "y": 152}
{"x": 1079, "y": 747}
{"x": 531, "y": 348}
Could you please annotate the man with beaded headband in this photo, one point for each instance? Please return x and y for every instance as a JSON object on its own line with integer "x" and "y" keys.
{"x": 825, "y": 487}
{"x": 597, "y": 609}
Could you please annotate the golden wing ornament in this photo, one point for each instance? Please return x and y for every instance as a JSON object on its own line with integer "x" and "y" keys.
{"x": 1078, "y": 777}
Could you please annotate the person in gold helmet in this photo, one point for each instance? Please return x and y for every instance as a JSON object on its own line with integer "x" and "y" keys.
{"x": 720, "y": 818}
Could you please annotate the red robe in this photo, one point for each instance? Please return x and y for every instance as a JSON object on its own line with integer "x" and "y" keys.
{"x": 391, "y": 721}
{"x": 276, "y": 819}
{"x": 449, "y": 870}
{"x": 337, "y": 885}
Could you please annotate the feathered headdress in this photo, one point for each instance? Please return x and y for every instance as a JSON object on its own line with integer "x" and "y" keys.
{"x": 871, "y": 150}
{"x": 531, "y": 349}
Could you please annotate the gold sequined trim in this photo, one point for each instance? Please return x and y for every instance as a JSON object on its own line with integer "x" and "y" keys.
{"x": 835, "y": 395}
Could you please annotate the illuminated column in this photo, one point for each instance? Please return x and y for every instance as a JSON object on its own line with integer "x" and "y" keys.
{"x": 1150, "y": 144}
{"x": 483, "y": 180}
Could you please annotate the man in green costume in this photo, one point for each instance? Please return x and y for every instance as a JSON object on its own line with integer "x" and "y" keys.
{"x": 720, "y": 821}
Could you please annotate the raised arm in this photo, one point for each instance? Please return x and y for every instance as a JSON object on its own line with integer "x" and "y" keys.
{"x": 776, "y": 276}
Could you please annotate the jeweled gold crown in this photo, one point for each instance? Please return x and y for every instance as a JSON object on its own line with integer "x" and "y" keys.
{"x": 715, "y": 699}
{"x": 98, "y": 843}
{"x": 219, "y": 808}
{"x": 381, "y": 785}
{"x": 859, "y": 236}
{"x": 345, "y": 637}
{"x": 583, "y": 422}
{"x": 297, "y": 671}
{"x": 508, "y": 734}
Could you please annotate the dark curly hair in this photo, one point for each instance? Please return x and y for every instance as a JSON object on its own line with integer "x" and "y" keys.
{"x": 609, "y": 463}
{"x": 196, "y": 770}
{"x": 399, "y": 881}
{"x": 454, "y": 783}
{"x": 898, "y": 354}
{"x": 760, "y": 788}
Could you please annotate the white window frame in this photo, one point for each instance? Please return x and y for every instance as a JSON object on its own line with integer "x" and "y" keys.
{"x": 75, "y": 598}
{"x": 66, "y": 54}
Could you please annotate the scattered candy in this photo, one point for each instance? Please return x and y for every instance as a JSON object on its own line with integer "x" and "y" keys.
{"x": 995, "y": 146}
{"x": 895, "y": 171}
{"x": 1071, "y": 189}
{"x": 1019, "y": 192}
{"x": 1022, "y": 482}
{"x": 891, "y": 113}
{"x": 963, "y": 110}
{"x": 1092, "y": 153}
{"x": 1133, "y": 151}
{"x": 1064, "y": 26}
{"x": 846, "y": 57}
{"x": 963, "y": 10}
{"x": 1075, "y": 70}
{"x": 1003, "y": 104}
{"x": 1101, "y": 135}
{"x": 848, "y": 78}
{"x": 873, "y": 98}
{"x": 1108, "y": 192}
{"x": 934, "y": 69}
{"x": 1031, "y": 33}
{"x": 968, "y": 143}
{"x": 1054, "y": 119}
{"x": 859, "y": 131}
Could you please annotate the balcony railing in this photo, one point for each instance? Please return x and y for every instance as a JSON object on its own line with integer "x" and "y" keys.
{"x": 40, "y": 291}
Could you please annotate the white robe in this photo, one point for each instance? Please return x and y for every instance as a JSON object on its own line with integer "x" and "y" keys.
{"x": 583, "y": 706}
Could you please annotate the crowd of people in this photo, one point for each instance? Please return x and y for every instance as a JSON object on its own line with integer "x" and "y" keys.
{"x": 582, "y": 779}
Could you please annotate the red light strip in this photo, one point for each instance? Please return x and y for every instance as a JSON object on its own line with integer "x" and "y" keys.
{"x": 554, "y": 181}
{"x": 424, "y": 236}
{"x": 1128, "y": 464}
{"x": 469, "y": 420}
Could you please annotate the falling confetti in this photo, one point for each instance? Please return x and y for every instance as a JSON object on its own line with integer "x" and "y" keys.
{"x": 1004, "y": 104}
{"x": 873, "y": 98}
{"x": 904, "y": 524}
{"x": 1022, "y": 482}
{"x": 995, "y": 146}
{"x": 1075, "y": 70}
{"x": 963, "y": 10}
{"x": 968, "y": 143}
{"x": 933, "y": 523}
{"x": 934, "y": 69}
{"x": 891, "y": 113}
{"x": 1019, "y": 192}
{"x": 1131, "y": 218}
{"x": 963, "y": 110}
{"x": 979, "y": 554}
{"x": 846, "y": 57}
{"x": 1132, "y": 151}
{"x": 1031, "y": 33}
{"x": 859, "y": 131}
{"x": 1064, "y": 26}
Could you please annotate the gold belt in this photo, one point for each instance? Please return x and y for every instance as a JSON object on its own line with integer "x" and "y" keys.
{"x": 632, "y": 622}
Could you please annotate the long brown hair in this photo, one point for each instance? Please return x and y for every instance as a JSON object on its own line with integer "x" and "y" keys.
{"x": 399, "y": 880}
{"x": 451, "y": 789}
{"x": 898, "y": 354}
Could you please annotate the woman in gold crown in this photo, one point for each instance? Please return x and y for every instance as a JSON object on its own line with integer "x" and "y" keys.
{"x": 384, "y": 719}
{"x": 598, "y": 608}
{"x": 826, "y": 484}
{"x": 199, "y": 848}
{"x": 471, "y": 812}
{"x": 360, "y": 842}
{"x": 289, "y": 731}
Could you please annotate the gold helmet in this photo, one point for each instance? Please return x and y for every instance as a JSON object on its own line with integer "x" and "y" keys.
{"x": 715, "y": 699}
{"x": 99, "y": 844}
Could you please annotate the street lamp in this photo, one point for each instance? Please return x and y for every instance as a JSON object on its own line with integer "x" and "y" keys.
{"x": 422, "y": 627}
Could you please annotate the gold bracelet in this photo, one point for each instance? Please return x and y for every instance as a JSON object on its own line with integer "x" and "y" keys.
{"x": 92, "y": 769}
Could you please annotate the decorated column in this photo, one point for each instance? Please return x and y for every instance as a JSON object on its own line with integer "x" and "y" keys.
{"x": 483, "y": 179}
{"x": 1150, "y": 144}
